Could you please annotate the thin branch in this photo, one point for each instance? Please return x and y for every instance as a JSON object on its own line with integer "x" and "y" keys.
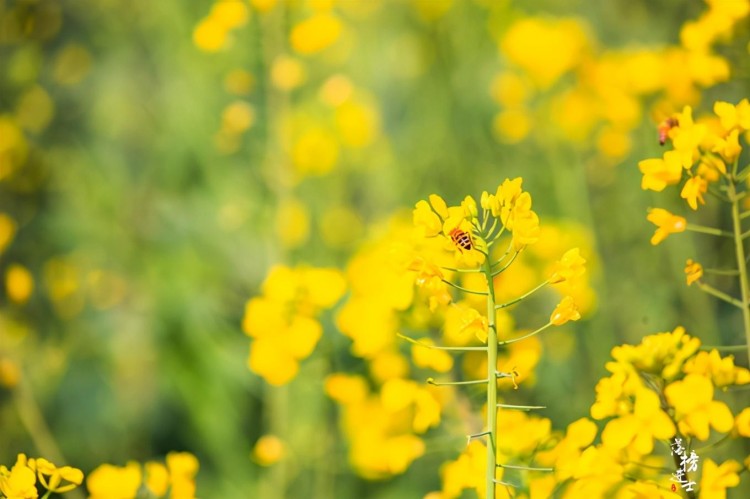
{"x": 727, "y": 272}
{"x": 436, "y": 347}
{"x": 501, "y": 270}
{"x": 708, "y": 230}
{"x": 460, "y": 288}
{"x": 521, "y": 407}
{"x": 513, "y": 340}
{"x": 528, "y": 468}
{"x": 707, "y": 288}
{"x": 431, "y": 381}
{"x": 516, "y": 300}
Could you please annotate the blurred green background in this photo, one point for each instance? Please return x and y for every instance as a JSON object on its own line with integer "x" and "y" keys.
{"x": 152, "y": 179}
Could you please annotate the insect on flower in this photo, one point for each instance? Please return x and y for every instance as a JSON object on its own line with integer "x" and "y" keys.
{"x": 664, "y": 128}
{"x": 462, "y": 239}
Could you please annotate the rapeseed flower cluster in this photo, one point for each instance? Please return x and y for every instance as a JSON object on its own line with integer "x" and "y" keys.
{"x": 464, "y": 241}
{"x": 21, "y": 480}
{"x": 283, "y": 320}
{"x": 704, "y": 158}
{"x": 174, "y": 479}
{"x": 556, "y": 65}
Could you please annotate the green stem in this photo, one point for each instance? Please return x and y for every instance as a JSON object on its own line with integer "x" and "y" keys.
{"x": 490, "y": 475}
{"x": 513, "y": 302}
{"x": 707, "y": 288}
{"x": 521, "y": 407}
{"x": 432, "y": 382}
{"x": 741, "y": 266}
{"x": 435, "y": 347}
{"x": 501, "y": 270}
{"x": 513, "y": 340}
{"x": 471, "y": 292}
{"x": 708, "y": 230}
{"x": 727, "y": 272}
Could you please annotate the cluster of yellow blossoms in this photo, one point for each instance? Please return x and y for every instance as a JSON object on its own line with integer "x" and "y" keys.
{"x": 703, "y": 153}
{"x": 660, "y": 390}
{"x": 557, "y": 67}
{"x": 283, "y": 321}
{"x": 20, "y": 481}
{"x": 175, "y": 480}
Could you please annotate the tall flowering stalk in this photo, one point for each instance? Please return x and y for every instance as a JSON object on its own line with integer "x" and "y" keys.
{"x": 705, "y": 159}
{"x": 506, "y": 221}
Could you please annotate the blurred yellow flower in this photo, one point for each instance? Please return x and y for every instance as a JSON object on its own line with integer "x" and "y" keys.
{"x": 512, "y": 125}
{"x": 7, "y": 231}
{"x": 346, "y": 389}
{"x": 209, "y": 35}
{"x": 717, "y": 479}
{"x": 35, "y": 109}
{"x": 13, "y": 147}
{"x": 292, "y": 223}
{"x": 10, "y": 374}
{"x": 108, "y": 481}
{"x": 239, "y": 82}
{"x": 18, "y": 482}
{"x": 72, "y": 64}
{"x": 430, "y": 358}
{"x": 426, "y": 220}
{"x": 237, "y": 117}
{"x": 357, "y": 123}
{"x": 19, "y": 284}
{"x": 230, "y": 14}
{"x": 545, "y": 48}
{"x": 315, "y": 152}
{"x": 268, "y": 450}
{"x": 157, "y": 478}
{"x": 315, "y": 33}
{"x": 287, "y": 73}
{"x": 693, "y": 271}
{"x": 510, "y": 90}
{"x": 666, "y": 224}
{"x": 733, "y": 116}
{"x": 742, "y": 423}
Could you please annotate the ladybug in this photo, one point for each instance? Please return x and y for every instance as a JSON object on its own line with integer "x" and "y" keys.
{"x": 462, "y": 239}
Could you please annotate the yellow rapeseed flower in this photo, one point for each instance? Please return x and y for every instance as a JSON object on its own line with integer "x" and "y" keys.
{"x": 742, "y": 423}
{"x": 51, "y": 477}
{"x": 315, "y": 151}
{"x": 20, "y": 481}
{"x": 693, "y": 271}
{"x": 430, "y": 358}
{"x": 315, "y": 33}
{"x": 661, "y": 172}
{"x": 661, "y": 354}
{"x": 565, "y": 311}
{"x": 157, "y": 478}
{"x": 695, "y": 409}
{"x": 693, "y": 191}
{"x": 268, "y": 450}
{"x": 717, "y": 479}
{"x": 666, "y": 224}
{"x": 733, "y": 116}
{"x": 638, "y": 429}
{"x": 571, "y": 266}
{"x": 19, "y": 284}
{"x": 108, "y": 481}
{"x": 545, "y": 48}
{"x": 721, "y": 370}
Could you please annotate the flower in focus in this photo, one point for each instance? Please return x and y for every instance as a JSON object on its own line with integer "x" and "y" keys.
{"x": 666, "y": 224}
{"x": 661, "y": 172}
{"x": 695, "y": 408}
{"x": 570, "y": 266}
{"x": 693, "y": 191}
{"x": 19, "y": 482}
{"x": 638, "y": 429}
{"x": 565, "y": 311}
{"x": 693, "y": 271}
{"x": 51, "y": 477}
